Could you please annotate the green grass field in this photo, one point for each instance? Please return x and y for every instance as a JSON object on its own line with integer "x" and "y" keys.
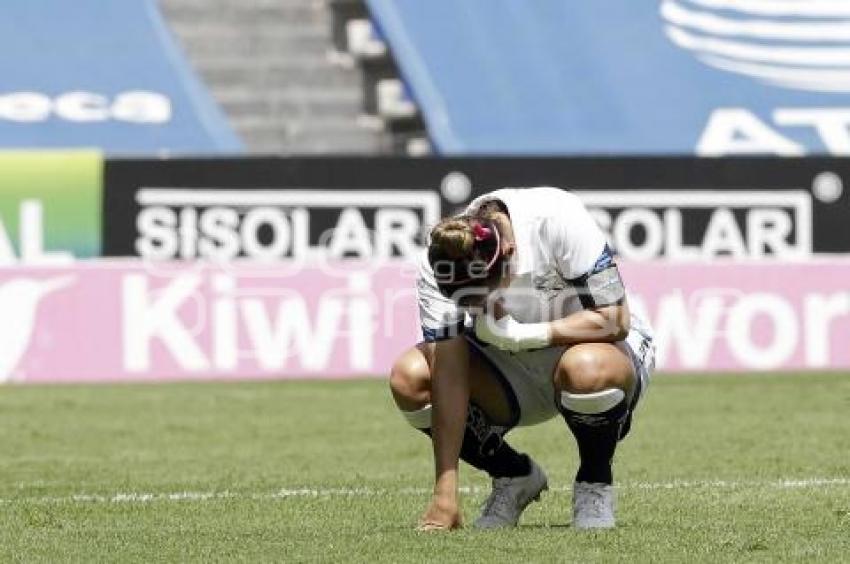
{"x": 721, "y": 468}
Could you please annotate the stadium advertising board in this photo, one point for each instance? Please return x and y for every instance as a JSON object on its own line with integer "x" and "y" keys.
{"x": 705, "y": 77}
{"x": 672, "y": 208}
{"x": 50, "y": 206}
{"x": 125, "y": 87}
{"x": 261, "y": 209}
{"x": 127, "y": 320}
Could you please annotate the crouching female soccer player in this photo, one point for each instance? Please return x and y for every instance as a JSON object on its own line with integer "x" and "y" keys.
{"x": 524, "y": 316}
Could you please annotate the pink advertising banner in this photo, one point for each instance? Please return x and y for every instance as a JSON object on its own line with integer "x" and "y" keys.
{"x": 728, "y": 316}
{"x": 128, "y": 320}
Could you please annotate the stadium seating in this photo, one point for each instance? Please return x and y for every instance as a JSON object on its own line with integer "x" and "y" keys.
{"x": 267, "y": 63}
{"x": 386, "y": 95}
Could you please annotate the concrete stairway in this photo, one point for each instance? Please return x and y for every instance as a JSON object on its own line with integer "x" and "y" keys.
{"x": 267, "y": 63}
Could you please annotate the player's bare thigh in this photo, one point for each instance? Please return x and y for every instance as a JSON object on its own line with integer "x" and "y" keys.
{"x": 592, "y": 367}
{"x": 410, "y": 382}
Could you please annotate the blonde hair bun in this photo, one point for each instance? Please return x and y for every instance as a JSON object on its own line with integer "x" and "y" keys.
{"x": 453, "y": 239}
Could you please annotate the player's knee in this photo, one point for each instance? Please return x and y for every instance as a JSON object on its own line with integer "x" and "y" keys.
{"x": 584, "y": 370}
{"x": 410, "y": 381}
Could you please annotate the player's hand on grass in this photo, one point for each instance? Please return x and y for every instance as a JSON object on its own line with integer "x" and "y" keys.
{"x": 442, "y": 514}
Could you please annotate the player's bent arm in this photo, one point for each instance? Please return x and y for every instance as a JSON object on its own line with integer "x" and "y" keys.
{"x": 599, "y": 325}
{"x": 450, "y": 398}
{"x": 602, "y": 324}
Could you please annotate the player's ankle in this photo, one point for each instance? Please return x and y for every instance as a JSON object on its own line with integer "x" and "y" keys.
{"x": 512, "y": 465}
{"x": 595, "y": 473}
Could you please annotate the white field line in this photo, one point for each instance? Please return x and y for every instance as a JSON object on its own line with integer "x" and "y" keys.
{"x": 285, "y": 493}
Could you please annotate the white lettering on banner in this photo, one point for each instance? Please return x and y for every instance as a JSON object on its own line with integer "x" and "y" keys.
{"x": 19, "y": 301}
{"x": 31, "y": 240}
{"x": 150, "y": 315}
{"x": 776, "y": 224}
{"x": 396, "y": 228}
{"x": 691, "y": 333}
{"x": 760, "y": 331}
{"x": 739, "y": 331}
{"x": 831, "y": 124}
{"x": 673, "y": 244}
{"x": 158, "y": 226}
{"x": 188, "y": 232}
{"x": 291, "y": 328}
{"x": 277, "y": 329}
{"x": 350, "y": 236}
{"x": 268, "y": 224}
{"x": 250, "y": 232}
{"x": 651, "y": 246}
{"x": 768, "y": 228}
{"x": 737, "y": 131}
{"x": 820, "y": 311}
{"x": 138, "y": 106}
{"x": 723, "y": 236}
{"x": 82, "y": 107}
{"x": 362, "y": 322}
{"x": 25, "y": 107}
{"x": 225, "y": 337}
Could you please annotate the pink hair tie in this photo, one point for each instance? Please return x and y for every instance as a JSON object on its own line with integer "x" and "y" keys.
{"x": 481, "y": 233}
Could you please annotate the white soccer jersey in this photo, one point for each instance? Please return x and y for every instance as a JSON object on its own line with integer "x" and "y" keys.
{"x": 557, "y": 241}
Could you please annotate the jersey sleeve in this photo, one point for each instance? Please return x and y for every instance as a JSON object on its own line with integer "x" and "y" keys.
{"x": 439, "y": 316}
{"x": 578, "y": 244}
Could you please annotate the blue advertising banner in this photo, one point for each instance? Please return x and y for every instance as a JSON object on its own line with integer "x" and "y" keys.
{"x": 101, "y": 74}
{"x": 705, "y": 77}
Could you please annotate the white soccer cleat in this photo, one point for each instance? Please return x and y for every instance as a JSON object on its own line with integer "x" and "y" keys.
{"x": 510, "y": 497}
{"x": 593, "y": 506}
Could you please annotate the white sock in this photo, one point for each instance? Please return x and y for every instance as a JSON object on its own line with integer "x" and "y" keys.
{"x": 419, "y": 419}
